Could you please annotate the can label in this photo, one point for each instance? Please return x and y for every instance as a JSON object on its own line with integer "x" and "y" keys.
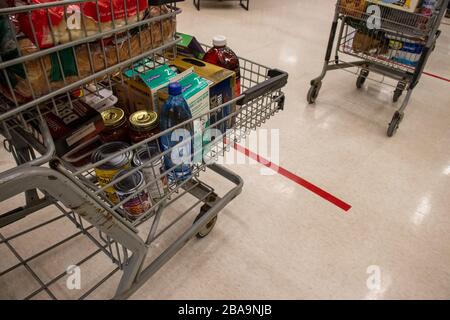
{"x": 136, "y": 205}
{"x": 105, "y": 177}
{"x": 151, "y": 173}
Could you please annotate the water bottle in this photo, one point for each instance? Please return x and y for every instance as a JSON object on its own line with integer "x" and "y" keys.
{"x": 175, "y": 111}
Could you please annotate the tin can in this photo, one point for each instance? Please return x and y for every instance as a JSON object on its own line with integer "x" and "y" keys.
{"x": 105, "y": 172}
{"x": 139, "y": 202}
{"x": 152, "y": 170}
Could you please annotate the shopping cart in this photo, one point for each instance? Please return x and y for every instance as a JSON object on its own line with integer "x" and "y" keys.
{"x": 386, "y": 40}
{"x": 166, "y": 205}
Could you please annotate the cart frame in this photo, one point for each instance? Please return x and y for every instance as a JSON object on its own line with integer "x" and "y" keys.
{"x": 398, "y": 24}
{"x": 76, "y": 193}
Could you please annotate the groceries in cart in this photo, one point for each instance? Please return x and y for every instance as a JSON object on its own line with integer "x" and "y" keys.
{"x": 105, "y": 39}
{"x": 400, "y": 36}
{"x": 223, "y": 56}
{"x": 391, "y": 38}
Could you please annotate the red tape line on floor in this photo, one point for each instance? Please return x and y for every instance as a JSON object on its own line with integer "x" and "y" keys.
{"x": 436, "y": 76}
{"x": 291, "y": 176}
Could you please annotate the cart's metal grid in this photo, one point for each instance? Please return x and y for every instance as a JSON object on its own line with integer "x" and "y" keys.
{"x": 373, "y": 35}
{"x": 47, "y": 180}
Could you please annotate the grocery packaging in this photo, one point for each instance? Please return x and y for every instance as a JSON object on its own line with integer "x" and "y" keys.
{"x": 354, "y": 8}
{"x": 195, "y": 90}
{"x": 404, "y": 5}
{"x": 153, "y": 169}
{"x": 143, "y": 125}
{"x": 106, "y": 172}
{"x": 404, "y": 51}
{"x": 374, "y": 43}
{"x": 149, "y": 82}
{"x": 100, "y": 99}
{"x": 189, "y": 46}
{"x": 116, "y": 125}
{"x": 129, "y": 189}
{"x": 174, "y": 112}
{"x": 222, "y": 56}
{"x": 221, "y": 86}
{"x": 67, "y": 24}
{"x": 81, "y": 61}
{"x": 72, "y": 125}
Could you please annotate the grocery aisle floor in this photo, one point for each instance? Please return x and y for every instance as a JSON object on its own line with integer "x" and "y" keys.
{"x": 279, "y": 240}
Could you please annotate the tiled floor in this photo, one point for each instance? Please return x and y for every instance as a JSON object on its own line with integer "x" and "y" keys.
{"x": 279, "y": 240}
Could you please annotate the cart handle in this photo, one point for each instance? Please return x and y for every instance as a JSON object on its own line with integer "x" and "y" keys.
{"x": 277, "y": 80}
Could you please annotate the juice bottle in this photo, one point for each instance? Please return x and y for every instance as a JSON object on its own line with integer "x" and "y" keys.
{"x": 224, "y": 57}
{"x": 175, "y": 111}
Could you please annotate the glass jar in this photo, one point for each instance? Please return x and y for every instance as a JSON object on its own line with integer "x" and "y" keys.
{"x": 116, "y": 127}
{"x": 143, "y": 125}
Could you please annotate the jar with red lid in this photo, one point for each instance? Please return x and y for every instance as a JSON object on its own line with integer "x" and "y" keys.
{"x": 116, "y": 126}
{"x": 143, "y": 125}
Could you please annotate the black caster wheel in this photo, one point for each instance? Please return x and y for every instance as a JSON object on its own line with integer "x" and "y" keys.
{"x": 207, "y": 228}
{"x": 361, "y": 78}
{"x": 397, "y": 94}
{"x": 395, "y": 123}
{"x": 313, "y": 92}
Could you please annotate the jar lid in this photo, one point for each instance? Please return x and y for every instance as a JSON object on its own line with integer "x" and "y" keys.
{"x": 144, "y": 119}
{"x": 113, "y": 117}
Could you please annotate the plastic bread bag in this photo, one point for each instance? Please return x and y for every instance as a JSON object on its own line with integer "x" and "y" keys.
{"x": 54, "y": 71}
{"x": 61, "y": 24}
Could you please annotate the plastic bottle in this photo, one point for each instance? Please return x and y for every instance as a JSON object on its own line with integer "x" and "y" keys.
{"x": 175, "y": 111}
{"x": 224, "y": 57}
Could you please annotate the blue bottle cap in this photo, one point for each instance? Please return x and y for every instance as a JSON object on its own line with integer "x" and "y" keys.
{"x": 175, "y": 89}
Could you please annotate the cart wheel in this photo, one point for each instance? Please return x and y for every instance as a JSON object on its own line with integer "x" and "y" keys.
{"x": 395, "y": 123}
{"x": 313, "y": 92}
{"x": 207, "y": 228}
{"x": 362, "y": 78}
{"x": 397, "y": 94}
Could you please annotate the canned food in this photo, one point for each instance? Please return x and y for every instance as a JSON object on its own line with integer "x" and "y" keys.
{"x": 105, "y": 172}
{"x": 139, "y": 202}
{"x": 151, "y": 170}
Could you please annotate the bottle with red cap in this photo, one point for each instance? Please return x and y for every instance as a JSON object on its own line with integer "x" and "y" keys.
{"x": 222, "y": 56}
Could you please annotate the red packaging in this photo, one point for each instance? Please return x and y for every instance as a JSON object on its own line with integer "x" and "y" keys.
{"x": 67, "y": 24}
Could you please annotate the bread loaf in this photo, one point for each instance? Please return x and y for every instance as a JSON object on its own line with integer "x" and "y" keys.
{"x": 88, "y": 59}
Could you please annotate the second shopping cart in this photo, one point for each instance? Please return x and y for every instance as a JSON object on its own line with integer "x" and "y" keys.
{"x": 391, "y": 38}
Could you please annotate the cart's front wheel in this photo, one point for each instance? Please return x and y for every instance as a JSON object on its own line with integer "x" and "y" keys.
{"x": 313, "y": 92}
{"x": 207, "y": 228}
{"x": 395, "y": 123}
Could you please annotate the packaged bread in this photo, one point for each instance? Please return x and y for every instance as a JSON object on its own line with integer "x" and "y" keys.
{"x": 61, "y": 24}
{"x": 44, "y": 74}
{"x": 371, "y": 44}
{"x": 354, "y": 8}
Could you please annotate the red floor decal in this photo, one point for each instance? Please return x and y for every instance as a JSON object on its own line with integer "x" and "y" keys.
{"x": 436, "y": 76}
{"x": 291, "y": 176}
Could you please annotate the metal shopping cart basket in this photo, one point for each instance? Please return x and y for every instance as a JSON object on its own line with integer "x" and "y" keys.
{"x": 142, "y": 214}
{"x": 393, "y": 41}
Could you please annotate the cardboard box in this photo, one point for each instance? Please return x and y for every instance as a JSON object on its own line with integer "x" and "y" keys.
{"x": 71, "y": 126}
{"x": 189, "y": 46}
{"x": 221, "y": 86}
{"x": 149, "y": 82}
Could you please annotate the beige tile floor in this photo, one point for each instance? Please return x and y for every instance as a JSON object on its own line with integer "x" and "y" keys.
{"x": 277, "y": 239}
